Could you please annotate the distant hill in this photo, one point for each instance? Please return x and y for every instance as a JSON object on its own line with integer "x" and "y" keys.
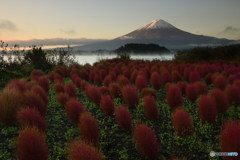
{"x": 136, "y": 48}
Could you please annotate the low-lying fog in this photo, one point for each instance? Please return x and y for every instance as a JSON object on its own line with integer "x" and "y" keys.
{"x": 91, "y": 58}
{"x": 88, "y": 57}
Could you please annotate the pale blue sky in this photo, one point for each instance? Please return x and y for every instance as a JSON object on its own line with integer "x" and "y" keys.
{"x": 108, "y": 19}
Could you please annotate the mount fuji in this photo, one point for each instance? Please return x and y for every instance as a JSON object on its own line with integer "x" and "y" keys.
{"x": 159, "y": 32}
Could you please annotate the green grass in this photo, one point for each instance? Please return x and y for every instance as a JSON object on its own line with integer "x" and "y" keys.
{"x": 116, "y": 143}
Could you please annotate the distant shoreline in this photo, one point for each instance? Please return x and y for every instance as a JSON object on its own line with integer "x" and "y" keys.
{"x": 106, "y": 53}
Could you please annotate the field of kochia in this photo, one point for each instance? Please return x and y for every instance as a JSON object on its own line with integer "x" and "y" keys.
{"x": 123, "y": 109}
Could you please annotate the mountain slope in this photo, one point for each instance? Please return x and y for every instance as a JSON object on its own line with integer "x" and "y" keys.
{"x": 157, "y": 29}
{"x": 158, "y": 32}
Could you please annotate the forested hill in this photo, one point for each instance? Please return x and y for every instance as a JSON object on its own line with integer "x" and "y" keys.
{"x": 141, "y": 48}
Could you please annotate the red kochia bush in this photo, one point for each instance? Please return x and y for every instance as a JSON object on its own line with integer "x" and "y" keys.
{"x": 70, "y": 90}
{"x": 182, "y": 85}
{"x": 51, "y": 76}
{"x": 58, "y": 78}
{"x": 150, "y": 107}
{"x": 74, "y": 109}
{"x": 182, "y": 68}
{"x": 147, "y": 91}
{"x": 98, "y": 79}
{"x": 113, "y": 76}
{"x": 83, "y": 84}
{"x": 146, "y": 140}
{"x": 123, "y": 81}
{"x": 166, "y": 77}
{"x": 39, "y": 90}
{"x": 117, "y": 71}
{"x": 176, "y": 76}
{"x": 186, "y": 74}
{"x": 44, "y": 83}
{"x": 58, "y": 87}
{"x": 124, "y": 118}
{"x": 84, "y": 74}
{"x": 89, "y": 128}
{"x": 233, "y": 94}
{"x": 225, "y": 74}
{"x": 231, "y": 78}
{"x": 237, "y": 83}
{"x": 194, "y": 77}
{"x": 31, "y": 117}
{"x": 19, "y": 85}
{"x": 156, "y": 81}
{"x": 229, "y": 138}
{"x": 34, "y": 100}
{"x": 134, "y": 75}
{"x": 69, "y": 69}
{"x": 94, "y": 94}
{"x": 174, "y": 97}
{"x": 107, "y": 105}
{"x": 31, "y": 84}
{"x": 214, "y": 76}
{"x": 86, "y": 90}
{"x": 130, "y": 96}
{"x": 202, "y": 89}
{"x": 154, "y": 68}
{"x": 204, "y": 70}
{"x": 191, "y": 93}
{"x": 35, "y": 74}
{"x": 142, "y": 73}
{"x": 103, "y": 73}
{"x": 126, "y": 73}
{"x": 115, "y": 90}
{"x": 31, "y": 145}
{"x": 81, "y": 149}
{"x": 182, "y": 123}
{"x": 208, "y": 79}
{"x": 77, "y": 82}
{"x": 207, "y": 109}
{"x": 220, "y": 82}
{"x": 167, "y": 85}
{"x": 74, "y": 75}
{"x": 59, "y": 69}
{"x": 104, "y": 90}
{"x": 141, "y": 82}
{"x": 10, "y": 100}
{"x": 220, "y": 99}
{"x": 91, "y": 76}
{"x": 62, "y": 99}
{"x": 107, "y": 81}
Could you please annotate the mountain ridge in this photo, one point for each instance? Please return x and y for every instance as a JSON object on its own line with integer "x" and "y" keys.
{"x": 158, "y": 32}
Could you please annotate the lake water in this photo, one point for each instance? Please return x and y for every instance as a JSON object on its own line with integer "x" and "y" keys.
{"x": 83, "y": 59}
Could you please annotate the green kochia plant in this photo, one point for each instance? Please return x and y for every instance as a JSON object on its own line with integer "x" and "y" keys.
{"x": 37, "y": 57}
{"x": 27, "y": 68}
{"x": 123, "y": 55}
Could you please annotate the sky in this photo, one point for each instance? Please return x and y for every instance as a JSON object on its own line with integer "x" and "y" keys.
{"x": 58, "y": 22}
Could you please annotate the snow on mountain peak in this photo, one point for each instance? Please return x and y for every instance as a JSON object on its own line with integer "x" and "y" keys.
{"x": 157, "y": 24}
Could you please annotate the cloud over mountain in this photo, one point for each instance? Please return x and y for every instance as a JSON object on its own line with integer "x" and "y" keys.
{"x": 231, "y": 29}
{"x": 8, "y": 25}
{"x": 70, "y": 31}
